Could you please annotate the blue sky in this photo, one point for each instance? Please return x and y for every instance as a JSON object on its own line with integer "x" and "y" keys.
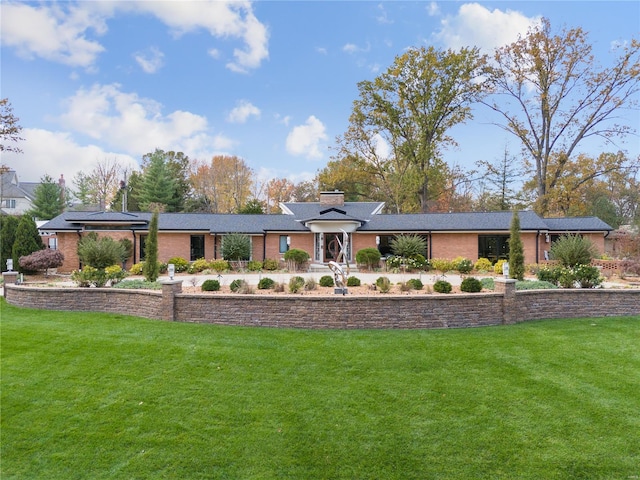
{"x": 271, "y": 81}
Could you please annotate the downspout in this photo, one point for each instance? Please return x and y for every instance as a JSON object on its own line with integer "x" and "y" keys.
{"x": 264, "y": 246}
{"x": 135, "y": 247}
{"x": 79, "y": 232}
{"x": 215, "y": 246}
{"x": 430, "y": 246}
{"x": 538, "y": 246}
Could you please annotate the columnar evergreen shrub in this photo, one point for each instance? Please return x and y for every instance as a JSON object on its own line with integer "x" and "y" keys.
{"x": 471, "y": 285}
{"x": 27, "y": 240}
{"x": 326, "y": 281}
{"x": 369, "y": 257}
{"x": 151, "y": 269}
{"x": 442, "y": 286}
{"x": 210, "y": 285}
{"x": 8, "y": 227}
{"x": 516, "y": 249}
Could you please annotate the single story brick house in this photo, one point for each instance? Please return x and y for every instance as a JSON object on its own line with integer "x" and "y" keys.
{"x": 316, "y": 227}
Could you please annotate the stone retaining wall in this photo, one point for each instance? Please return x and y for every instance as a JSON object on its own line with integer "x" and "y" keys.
{"x": 345, "y": 312}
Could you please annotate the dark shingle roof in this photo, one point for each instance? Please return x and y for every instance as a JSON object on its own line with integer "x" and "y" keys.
{"x": 258, "y": 224}
{"x": 310, "y": 210}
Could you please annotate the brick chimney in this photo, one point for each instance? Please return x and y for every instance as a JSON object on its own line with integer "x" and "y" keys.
{"x": 335, "y": 198}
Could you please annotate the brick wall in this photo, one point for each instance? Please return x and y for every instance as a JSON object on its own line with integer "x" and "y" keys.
{"x": 504, "y": 306}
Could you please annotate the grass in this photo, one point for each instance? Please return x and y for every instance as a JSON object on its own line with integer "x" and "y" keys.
{"x": 106, "y": 396}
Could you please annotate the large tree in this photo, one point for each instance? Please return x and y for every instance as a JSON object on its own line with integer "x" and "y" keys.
{"x": 9, "y": 127}
{"x": 49, "y": 199}
{"x": 552, "y": 95}
{"x": 99, "y": 187}
{"x": 226, "y": 183}
{"x": 498, "y": 181}
{"x": 401, "y": 120}
{"x": 157, "y": 188}
{"x": 178, "y": 166}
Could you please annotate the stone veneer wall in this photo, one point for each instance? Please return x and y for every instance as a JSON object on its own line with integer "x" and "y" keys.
{"x": 347, "y": 312}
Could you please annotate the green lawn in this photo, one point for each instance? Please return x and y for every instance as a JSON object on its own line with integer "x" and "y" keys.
{"x": 92, "y": 396}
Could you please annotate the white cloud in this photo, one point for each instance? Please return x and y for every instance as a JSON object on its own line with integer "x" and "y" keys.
{"x": 321, "y": 50}
{"x": 383, "y": 17}
{"x": 475, "y": 25}
{"x": 242, "y": 112}
{"x": 282, "y": 119}
{"x": 58, "y": 31}
{"x": 433, "y": 9}
{"x": 304, "y": 140}
{"x": 51, "y": 33}
{"x": 150, "y": 60}
{"x": 353, "y": 48}
{"x": 135, "y": 125}
{"x": 56, "y": 153}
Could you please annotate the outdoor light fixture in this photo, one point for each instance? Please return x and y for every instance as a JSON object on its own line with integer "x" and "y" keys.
{"x": 377, "y": 239}
{"x": 9, "y": 264}
{"x": 171, "y": 268}
{"x": 288, "y": 241}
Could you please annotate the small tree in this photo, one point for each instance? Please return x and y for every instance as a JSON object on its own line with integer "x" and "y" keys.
{"x": 516, "y": 250}
{"x": 100, "y": 252}
{"x": 151, "y": 270}
{"x": 571, "y": 250}
{"x": 236, "y": 247}
{"x": 42, "y": 260}
{"x": 27, "y": 239}
{"x": 407, "y": 246}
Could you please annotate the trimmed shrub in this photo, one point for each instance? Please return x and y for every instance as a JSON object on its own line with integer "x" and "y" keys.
{"x": 100, "y": 252}
{"x": 236, "y": 285}
{"x": 297, "y": 257}
{"x": 383, "y": 284}
{"x": 353, "y": 282}
{"x": 198, "y": 266}
{"x": 587, "y": 276}
{"x": 270, "y": 264}
{"x": 442, "y": 286}
{"x": 296, "y": 284}
{"x": 483, "y": 265}
{"x": 266, "y": 283}
{"x": 462, "y": 265}
{"x": 115, "y": 273}
{"x": 210, "y": 285}
{"x": 572, "y": 250}
{"x": 326, "y": 281}
{"x": 180, "y": 264}
{"x": 471, "y": 285}
{"x": 369, "y": 257}
{"x": 254, "y": 266}
{"x": 138, "y": 284}
{"x": 442, "y": 264}
{"x": 136, "y": 268}
{"x": 497, "y": 268}
{"x": 415, "y": 283}
{"x": 219, "y": 265}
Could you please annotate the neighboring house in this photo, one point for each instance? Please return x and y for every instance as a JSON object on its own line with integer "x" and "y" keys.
{"x": 16, "y": 197}
{"x": 318, "y": 228}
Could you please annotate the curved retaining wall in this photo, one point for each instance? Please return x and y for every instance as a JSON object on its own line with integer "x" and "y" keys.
{"x": 349, "y": 312}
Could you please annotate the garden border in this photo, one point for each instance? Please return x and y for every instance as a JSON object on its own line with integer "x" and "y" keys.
{"x": 504, "y": 306}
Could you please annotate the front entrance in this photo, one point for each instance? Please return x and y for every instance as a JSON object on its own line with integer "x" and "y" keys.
{"x": 332, "y": 243}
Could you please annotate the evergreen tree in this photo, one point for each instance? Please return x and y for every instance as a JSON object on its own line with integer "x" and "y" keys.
{"x": 8, "y": 226}
{"x": 49, "y": 199}
{"x": 157, "y": 186}
{"x": 27, "y": 240}
{"x": 151, "y": 269}
{"x": 516, "y": 250}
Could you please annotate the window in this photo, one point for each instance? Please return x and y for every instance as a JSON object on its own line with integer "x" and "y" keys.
{"x": 53, "y": 243}
{"x": 284, "y": 244}
{"x": 143, "y": 244}
{"x": 493, "y": 247}
{"x": 9, "y": 203}
{"x": 197, "y": 247}
{"x": 385, "y": 245}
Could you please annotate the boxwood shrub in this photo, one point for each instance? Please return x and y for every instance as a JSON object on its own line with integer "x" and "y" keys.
{"x": 353, "y": 282}
{"x": 471, "y": 285}
{"x": 326, "y": 281}
{"x": 266, "y": 283}
{"x": 442, "y": 286}
{"x": 210, "y": 286}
